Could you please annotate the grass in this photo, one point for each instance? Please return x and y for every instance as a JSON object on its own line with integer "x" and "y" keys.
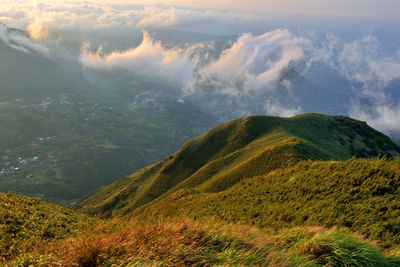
{"x": 25, "y": 222}
{"x": 360, "y": 194}
{"x": 184, "y": 242}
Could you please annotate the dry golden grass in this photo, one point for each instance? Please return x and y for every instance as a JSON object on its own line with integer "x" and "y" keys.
{"x": 179, "y": 243}
{"x": 188, "y": 243}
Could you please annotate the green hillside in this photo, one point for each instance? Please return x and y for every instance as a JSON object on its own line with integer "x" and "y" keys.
{"x": 240, "y": 149}
{"x": 262, "y": 191}
{"x": 25, "y": 222}
{"x": 360, "y": 194}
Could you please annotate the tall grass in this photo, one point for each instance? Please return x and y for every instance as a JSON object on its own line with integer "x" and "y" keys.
{"x": 188, "y": 243}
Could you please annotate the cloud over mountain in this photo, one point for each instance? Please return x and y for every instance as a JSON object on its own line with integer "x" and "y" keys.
{"x": 248, "y": 72}
{"x": 150, "y": 58}
{"x": 256, "y": 62}
{"x": 20, "y": 42}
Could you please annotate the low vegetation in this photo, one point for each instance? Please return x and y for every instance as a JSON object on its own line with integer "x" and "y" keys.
{"x": 184, "y": 243}
{"x": 25, "y": 222}
{"x": 361, "y": 194}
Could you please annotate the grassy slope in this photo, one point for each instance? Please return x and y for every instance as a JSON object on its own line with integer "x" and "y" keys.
{"x": 25, "y": 222}
{"x": 361, "y": 194}
{"x": 34, "y": 233}
{"x": 247, "y": 172}
{"x": 237, "y": 150}
{"x": 184, "y": 243}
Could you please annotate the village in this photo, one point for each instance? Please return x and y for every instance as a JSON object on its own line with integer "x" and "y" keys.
{"x": 12, "y": 164}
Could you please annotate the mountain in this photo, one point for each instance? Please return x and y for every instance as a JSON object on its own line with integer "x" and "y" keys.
{"x": 325, "y": 96}
{"x": 237, "y": 150}
{"x": 254, "y": 191}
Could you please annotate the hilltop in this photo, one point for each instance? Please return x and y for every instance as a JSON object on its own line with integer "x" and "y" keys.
{"x": 237, "y": 150}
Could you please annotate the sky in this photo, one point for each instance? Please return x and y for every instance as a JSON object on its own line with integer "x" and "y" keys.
{"x": 378, "y": 9}
{"x": 372, "y": 8}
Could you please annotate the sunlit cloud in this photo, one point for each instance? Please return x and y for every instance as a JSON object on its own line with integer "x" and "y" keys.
{"x": 248, "y": 73}
{"x": 37, "y": 30}
{"x": 40, "y": 17}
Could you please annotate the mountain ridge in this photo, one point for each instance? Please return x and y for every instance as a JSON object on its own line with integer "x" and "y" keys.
{"x": 237, "y": 150}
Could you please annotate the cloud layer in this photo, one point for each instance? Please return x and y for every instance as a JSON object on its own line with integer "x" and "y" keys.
{"x": 360, "y": 62}
{"x": 37, "y": 18}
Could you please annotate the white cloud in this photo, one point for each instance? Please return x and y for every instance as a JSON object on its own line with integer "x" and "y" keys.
{"x": 360, "y": 62}
{"x": 277, "y": 109}
{"x": 246, "y": 70}
{"x": 383, "y": 9}
{"x": 39, "y": 17}
{"x": 371, "y": 73}
{"x": 150, "y": 58}
{"x": 20, "y": 42}
{"x": 383, "y": 116}
{"x": 255, "y": 63}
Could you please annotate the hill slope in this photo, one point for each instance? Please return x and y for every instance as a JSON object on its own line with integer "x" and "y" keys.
{"x": 25, "y": 222}
{"x": 360, "y": 194}
{"x": 197, "y": 207}
{"x": 237, "y": 150}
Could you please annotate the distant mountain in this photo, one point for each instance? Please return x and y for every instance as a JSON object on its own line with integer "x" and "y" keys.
{"x": 237, "y": 150}
{"x": 328, "y": 96}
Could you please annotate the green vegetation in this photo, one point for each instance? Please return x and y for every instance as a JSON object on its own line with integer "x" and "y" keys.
{"x": 361, "y": 194}
{"x": 25, "y": 222}
{"x": 254, "y": 191}
{"x": 63, "y": 150}
{"x": 237, "y": 150}
{"x": 184, "y": 243}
